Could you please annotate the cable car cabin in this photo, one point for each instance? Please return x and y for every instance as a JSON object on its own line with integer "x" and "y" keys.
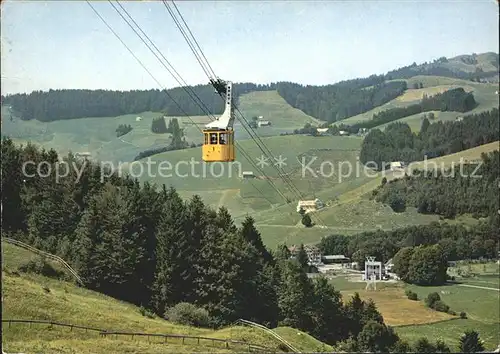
{"x": 218, "y": 146}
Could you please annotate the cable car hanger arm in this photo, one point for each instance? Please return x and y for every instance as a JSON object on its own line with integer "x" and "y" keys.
{"x": 226, "y": 120}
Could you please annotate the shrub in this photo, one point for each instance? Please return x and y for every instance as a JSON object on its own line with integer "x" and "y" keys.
{"x": 463, "y": 315}
{"x": 431, "y": 299}
{"x": 145, "y": 312}
{"x": 283, "y": 348}
{"x": 441, "y": 306}
{"x": 306, "y": 220}
{"x": 42, "y": 267}
{"x": 188, "y": 314}
{"x": 411, "y": 295}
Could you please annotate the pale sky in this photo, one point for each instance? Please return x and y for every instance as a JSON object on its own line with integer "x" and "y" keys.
{"x": 63, "y": 44}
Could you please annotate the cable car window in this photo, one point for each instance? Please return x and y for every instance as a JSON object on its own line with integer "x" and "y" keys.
{"x": 222, "y": 139}
{"x": 213, "y": 138}
{"x": 206, "y": 138}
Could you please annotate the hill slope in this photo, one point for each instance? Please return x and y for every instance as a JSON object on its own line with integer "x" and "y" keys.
{"x": 484, "y": 94}
{"x": 24, "y": 297}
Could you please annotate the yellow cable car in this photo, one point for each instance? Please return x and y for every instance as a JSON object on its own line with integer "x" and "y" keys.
{"x": 218, "y": 145}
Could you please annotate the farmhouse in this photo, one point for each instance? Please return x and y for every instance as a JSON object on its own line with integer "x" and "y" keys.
{"x": 396, "y": 165}
{"x": 343, "y": 133}
{"x": 322, "y": 131}
{"x": 263, "y": 123}
{"x": 82, "y": 154}
{"x": 247, "y": 174}
{"x": 309, "y": 205}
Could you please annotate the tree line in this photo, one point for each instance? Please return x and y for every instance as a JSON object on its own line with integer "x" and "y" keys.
{"x": 469, "y": 188}
{"x": 438, "y": 68}
{"x": 399, "y": 143}
{"x": 47, "y": 106}
{"x": 454, "y": 100}
{"x": 123, "y": 129}
{"x": 148, "y": 246}
{"x": 342, "y": 100}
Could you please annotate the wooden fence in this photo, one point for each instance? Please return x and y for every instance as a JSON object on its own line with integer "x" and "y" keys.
{"x": 227, "y": 343}
{"x": 47, "y": 255}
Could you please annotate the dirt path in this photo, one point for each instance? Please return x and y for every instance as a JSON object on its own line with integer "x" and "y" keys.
{"x": 225, "y": 195}
{"x": 478, "y": 287}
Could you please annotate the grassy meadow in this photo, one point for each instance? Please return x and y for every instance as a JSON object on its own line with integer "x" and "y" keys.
{"x": 34, "y": 297}
{"x": 413, "y": 320}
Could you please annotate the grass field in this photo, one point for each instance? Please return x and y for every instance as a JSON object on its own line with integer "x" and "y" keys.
{"x": 456, "y": 158}
{"x": 415, "y": 121}
{"x": 413, "y": 320}
{"x": 23, "y": 297}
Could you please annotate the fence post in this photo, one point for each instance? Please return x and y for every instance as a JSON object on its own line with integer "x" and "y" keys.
{"x": 183, "y": 339}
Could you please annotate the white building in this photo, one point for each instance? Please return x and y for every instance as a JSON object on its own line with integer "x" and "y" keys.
{"x": 247, "y": 174}
{"x": 310, "y": 205}
{"x": 138, "y": 119}
{"x": 322, "y": 131}
{"x": 372, "y": 268}
{"x": 396, "y": 166}
{"x": 83, "y": 154}
{"x": 343, "y": 133}
{"x": 263, "y": 123}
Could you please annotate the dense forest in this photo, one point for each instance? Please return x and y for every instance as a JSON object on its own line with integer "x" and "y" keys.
{"x": 342, "y": 100}
{"x": 53, "y": 105}
{"x": 465, "y": 189}
{"x": 399, "y": 143}
{"x": 455, "y": 100}
{"x": 154, "y": 249}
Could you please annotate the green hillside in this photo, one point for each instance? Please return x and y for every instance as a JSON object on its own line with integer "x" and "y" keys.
{"x": 484, "y": 94}
{"x": 263, "y": 197}
{"x": 24, "y": 297}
